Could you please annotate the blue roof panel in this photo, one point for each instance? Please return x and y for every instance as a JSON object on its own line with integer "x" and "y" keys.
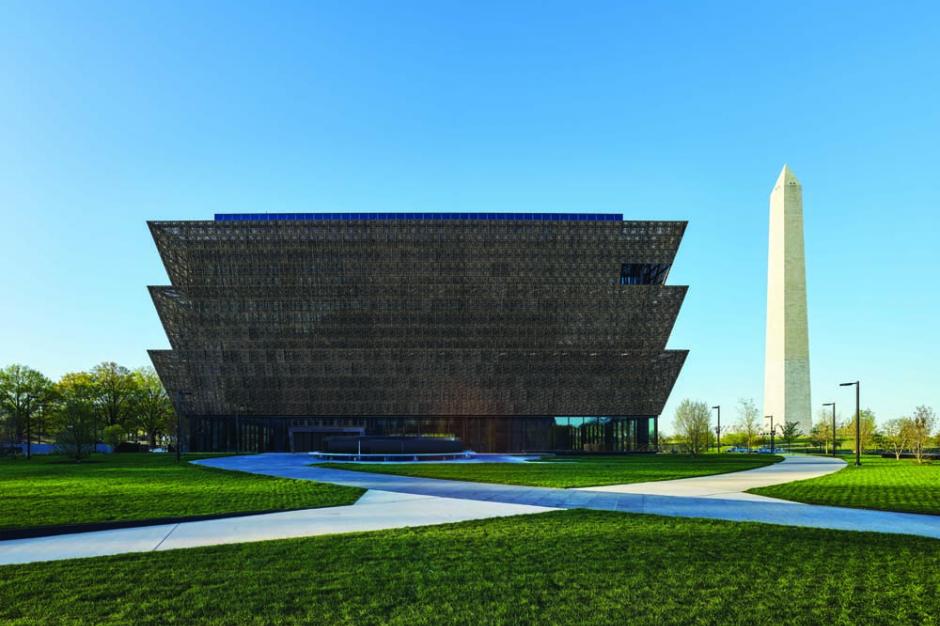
{"x": 553, "y": 217}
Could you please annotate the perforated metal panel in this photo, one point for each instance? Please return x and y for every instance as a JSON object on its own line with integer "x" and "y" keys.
{"x": 416, "y": 317}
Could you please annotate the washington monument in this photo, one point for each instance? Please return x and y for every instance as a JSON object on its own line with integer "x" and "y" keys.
{"x": 786, "y": 365}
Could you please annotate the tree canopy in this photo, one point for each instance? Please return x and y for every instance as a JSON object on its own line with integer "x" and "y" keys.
{"x": 24, "y": 392}
{"x": 108, "y": 402}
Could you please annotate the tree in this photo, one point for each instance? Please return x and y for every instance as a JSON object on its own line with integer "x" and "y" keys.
{"x": 748, "y": 421}
{"x": 867, "y": 431}
{"x": 921, "y": 428}
{"x": 74, "y": 414}
{"x": 821, "y": 435}
{"x": 895, "y": 435}
{"x": 734, "y": 438}
{"x": 818, "y": 436}
{"x": 7, "y": 426}
{"x": 113, "y": 435}
{"x": 692, "y": 424}
{"x": 23, "y": 393}
{"x": 152, "y": 405}
{"x": 114, "y": 390}
{"x": 790, "y": 431}
{"x": 823, "y": 429}
{"x": 41, "y": 418}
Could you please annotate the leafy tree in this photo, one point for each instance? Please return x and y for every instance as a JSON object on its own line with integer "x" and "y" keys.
{"x": 896, "y": 434}
{"x": 868, "y": 429}
{"x": 734, "y": 438}
{"x": 23, "y": 393}
{"x": 7, "y": 426}
{"x": 822, "y": 431}
{"x": 921, "y": 428}
{"x": 791, "y": 431}
{"x": 692, "y": 424}
{"x": 152, "y": 405}
{"x": 748, "y": 421}
{"x": 41, "y": 418}
{"x": 75, "y": 414}
{"x": 113, "y": 435}
{"x": 818, "y": 438}
{"x": 114, "y": 391}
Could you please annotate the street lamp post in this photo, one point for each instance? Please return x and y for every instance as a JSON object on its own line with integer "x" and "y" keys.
{"x": 833, "y": 405}
{"x": 180, "y": 395}
{"x": 771, "y": 432}
{"x": 718, "y": 428}
{"x": 858, "y": 428}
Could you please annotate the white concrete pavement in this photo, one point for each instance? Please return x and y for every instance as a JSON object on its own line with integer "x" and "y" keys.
{"x": 732, "y": 506}
{"x": 400, "y": 501}
{"x": 734, "y": 485}
{"x": 375, "y": 510}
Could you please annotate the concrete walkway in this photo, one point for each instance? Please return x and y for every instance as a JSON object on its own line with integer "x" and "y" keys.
{"x": 400, "y": 501}
{"x": 734, "y": 485}
{"x": 375, "y": 510}
{"x": 732, "y": 508}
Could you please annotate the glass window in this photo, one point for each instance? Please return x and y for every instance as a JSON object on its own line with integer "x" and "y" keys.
{"x": 643, "y": 273}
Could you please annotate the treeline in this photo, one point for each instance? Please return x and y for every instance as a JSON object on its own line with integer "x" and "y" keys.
{"x": 914, "y": 434}
{"x": 109, "y": 403}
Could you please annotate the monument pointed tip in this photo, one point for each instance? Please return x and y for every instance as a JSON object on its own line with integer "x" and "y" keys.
{"x": 787, "y": 177}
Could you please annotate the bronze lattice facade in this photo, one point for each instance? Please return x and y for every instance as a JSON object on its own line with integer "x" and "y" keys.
{"x": 514, "y": 332}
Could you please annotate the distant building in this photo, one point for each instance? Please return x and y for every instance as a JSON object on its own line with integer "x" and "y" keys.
{"x": 786, "y": 367}
{"x": 513, "y": 332}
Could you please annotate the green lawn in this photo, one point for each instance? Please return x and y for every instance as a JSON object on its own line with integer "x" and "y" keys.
{"x": 879, "y": 483}
{"x": 575, "y": 471}
{"x": 567, "y": 567}
{"x": 52, "y": 490}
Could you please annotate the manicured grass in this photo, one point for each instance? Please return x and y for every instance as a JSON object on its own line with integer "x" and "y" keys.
{"x": 567, "y": 567}
{"x": 574, "y": 471}
{"x": 52, "y": 490}
{"x": 879, "y": 483}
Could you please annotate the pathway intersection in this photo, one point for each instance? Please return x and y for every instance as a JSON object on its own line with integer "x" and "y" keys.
{"x": 400, "y": 501}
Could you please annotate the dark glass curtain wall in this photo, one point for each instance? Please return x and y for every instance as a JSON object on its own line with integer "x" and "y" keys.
{"x": 481, "y": 434}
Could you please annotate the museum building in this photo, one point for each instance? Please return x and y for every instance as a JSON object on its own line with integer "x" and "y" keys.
{"x": 513, "y": 332}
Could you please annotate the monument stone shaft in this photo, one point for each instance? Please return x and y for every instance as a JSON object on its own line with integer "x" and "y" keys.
{"x": 786, "y": 366}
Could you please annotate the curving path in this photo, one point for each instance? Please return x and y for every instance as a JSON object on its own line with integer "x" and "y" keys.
{"x": 734, "y": 485}
{"x": 375, "y": 510}
{"x": 732, "y": 505}
{"x": 400, "y": 501}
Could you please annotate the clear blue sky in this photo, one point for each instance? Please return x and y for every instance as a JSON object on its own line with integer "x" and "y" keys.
{"x": 115, "y": 113}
